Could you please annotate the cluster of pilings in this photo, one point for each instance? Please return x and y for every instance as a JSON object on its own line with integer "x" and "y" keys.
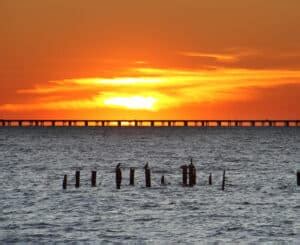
{"x": 189, "y": 177}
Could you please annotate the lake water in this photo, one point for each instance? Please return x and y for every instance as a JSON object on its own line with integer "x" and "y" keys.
{"x": 261, "y": 202}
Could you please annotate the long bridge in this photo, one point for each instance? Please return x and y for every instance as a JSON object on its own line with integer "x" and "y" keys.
{"x": 147, "y": 123}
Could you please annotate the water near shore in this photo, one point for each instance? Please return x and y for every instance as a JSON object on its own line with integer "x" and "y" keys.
{"x": 261, "y": 202}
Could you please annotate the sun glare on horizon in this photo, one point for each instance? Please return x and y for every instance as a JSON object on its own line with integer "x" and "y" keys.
{"x": 133, "y": 102}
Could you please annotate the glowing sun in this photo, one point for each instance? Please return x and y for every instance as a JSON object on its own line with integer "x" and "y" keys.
{"x": 133, "y": 103}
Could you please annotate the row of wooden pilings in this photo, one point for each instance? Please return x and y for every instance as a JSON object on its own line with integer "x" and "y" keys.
{"x": 189, "y": 177}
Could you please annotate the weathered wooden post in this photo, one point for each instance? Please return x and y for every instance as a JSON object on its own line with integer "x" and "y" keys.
{"x": 64, "y": 185}
{"x": 210, "y": 179}
{"x": 223, "y": 181}
{"x": 77, "y": 179}
{"x": 298, "y": 178}
{"x": 118, "y": 176}
{"x": 184, "y": 174}
{"x": 192, "y": 174}
{"x": 147, "y": 176}
{"x": 93, "y": 178}
{"x": 131, "y": 176}
{"x": 162, "y": 180}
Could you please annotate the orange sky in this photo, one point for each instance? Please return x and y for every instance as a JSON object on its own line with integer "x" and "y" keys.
{"x": 158, "y": 59}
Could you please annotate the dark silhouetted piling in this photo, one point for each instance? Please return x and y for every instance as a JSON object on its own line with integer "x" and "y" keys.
{"x": 210, "y": 179}
{"x": 223, "y": 181}
{"x": 93, "y": 178}
{"x": 162, "y": 180}
{"x": 184, "y": 174}
{"x": 118, "y": 176}
{"x": 298, "y": 178}
{"x": 65, "y": 180}
{"x": 77, "y": 179}
{"x": 131, "y": 176}
{"x": 192, "y": 174}
{"x": 147, "y": 176}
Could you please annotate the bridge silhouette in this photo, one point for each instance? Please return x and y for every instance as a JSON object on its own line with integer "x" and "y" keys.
{"x": 147, "y": 123}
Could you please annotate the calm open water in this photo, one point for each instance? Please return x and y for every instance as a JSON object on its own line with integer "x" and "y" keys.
{"x": 261, "y": 202}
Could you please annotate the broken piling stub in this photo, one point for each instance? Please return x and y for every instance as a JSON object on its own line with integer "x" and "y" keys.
{"x": 64, "y": 185}
{"x": 162, "y": 180}
{"x": 184, "y": 174}
{"x": 210, "y": 179}
{"x": 223, "y": 181}
{"x": 77, "y": 179}
{"x": 131, "y": 176}
{"x": 192, "y": 174}
{"x": 298, "y": 177}
{"x": 93, "y": 178}
{"x": 118, "y": 176}
{"x": 147, "y": 176}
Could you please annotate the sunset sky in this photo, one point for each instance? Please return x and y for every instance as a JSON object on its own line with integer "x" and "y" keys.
{"x": 150, "y": 59}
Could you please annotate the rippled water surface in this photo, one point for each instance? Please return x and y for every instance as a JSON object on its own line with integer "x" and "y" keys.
{"x": 261, "y": 202}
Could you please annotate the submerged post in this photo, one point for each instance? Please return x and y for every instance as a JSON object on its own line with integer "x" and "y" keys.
{"x": 184, "y": 174}
{"x": 223, "y": 181}
{"x": 210, "y": 179}
{"x": 77, "y": 179}
{"x": 93, "y": 178}
{"x": 65, "y": 182}
{"x": 131, "y": 176}
{"x": 298, "y": 178}
{"x": 118, "y": 176}
{"x": 147, "y": 176}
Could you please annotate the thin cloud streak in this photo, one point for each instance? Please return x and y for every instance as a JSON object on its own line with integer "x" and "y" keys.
{"x": 169, "y": 88}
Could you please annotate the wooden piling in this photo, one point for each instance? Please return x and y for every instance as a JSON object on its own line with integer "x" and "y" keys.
{"x": 210, "y": 179}
{"x": 192, "y": 174}
{"x": 131, "y": 176}
{"x": 77, "y": 179}
{"x": 118, "y": 176}
{"x": 147, "y": 176}
{"x": 184, "y": 174}
{"x": 65, "y": 180}
{"x": 93, "y": 178}
{"x": 162, "y": 180}
{"x": 223, "y": 181}
{"x": 298, "y": 178}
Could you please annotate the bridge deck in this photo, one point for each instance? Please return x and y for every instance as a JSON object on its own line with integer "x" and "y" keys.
{"x": 149, "y": 123}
